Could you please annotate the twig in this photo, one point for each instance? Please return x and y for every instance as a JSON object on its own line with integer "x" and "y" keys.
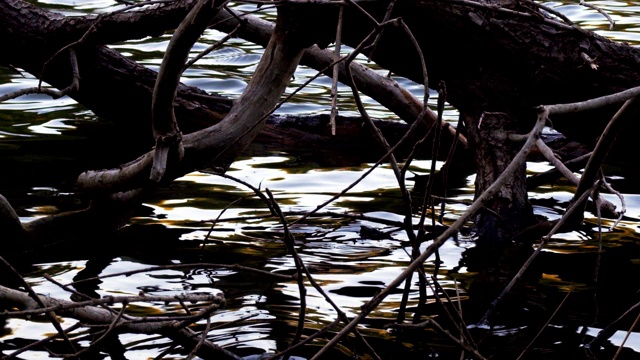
{"x": 594, "y": 103}
{"x": 607, "y": 332}
{"x": 431, "y": 321}
{"x": 605, "y": 142}
{"x": 604, "y": 13}
{"x": 330, "y": 214}
{"x": 43, "y": 341}
{"x": 623, "y": 204}
{"x": 389, "y": 151}
{"x": 529, "y": 261}
{"x": 214, "y": 222}
{"x": 427, "y": 202}
{"x": 217, "y": 44}
{"x": 387, "y": 16}
{"x": 550, "y": 156}
{"x": 203, "y": 338}
{"x": 445, "y": 169}
{"x": 32, "y": 294}
{"x": 300, "y": 266}
{"x": 92, "y": 28}
{"x": 414, "y": 242}
{"x": 55, "y": 94}
{"x": 626, "y": 337}
{"x": 440, "y": 240}
{"x": 110, "y": 329}
{"x": 596, "y": 195}
{"x": 256, "y": 190}
{"x": 545, "y": 325}
{"x": 217, "y": 299}
{"x": 289, "y": 241}
{"x": 550, "y": 175}
{"x": 461, "y": 326}
{"x": 336, "y": 71}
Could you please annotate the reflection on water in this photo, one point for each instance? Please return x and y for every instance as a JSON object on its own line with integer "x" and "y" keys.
{"x": 203, "y": 218}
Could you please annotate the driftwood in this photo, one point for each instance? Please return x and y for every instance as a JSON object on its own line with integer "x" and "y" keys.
{"x": 477, "y": 85}
{"x": 489, "y": 66}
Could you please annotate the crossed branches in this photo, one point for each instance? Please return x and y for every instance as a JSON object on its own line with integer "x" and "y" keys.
{"x": 176, "y": 154}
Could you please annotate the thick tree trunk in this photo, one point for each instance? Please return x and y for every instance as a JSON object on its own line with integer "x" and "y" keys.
{"x": 509, "y": 211}
{"x": 503, "y": 58}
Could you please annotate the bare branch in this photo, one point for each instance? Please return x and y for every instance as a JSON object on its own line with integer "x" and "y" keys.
{"x": 604, "y": 13}
{"x": 229, "y": 136}
{"x": 518, "y": 160}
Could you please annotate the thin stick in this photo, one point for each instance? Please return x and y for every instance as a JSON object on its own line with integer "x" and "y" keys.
{"x": 110, "y": 329}
{"x": 594, "y": 103}
{"x": 440, "y": 240}
{"x": 605, "y": 142}
{"x": 217, "y": 44}
{"x": 431, "y": 321}
{"x": 623, "y": 204}
{"x": 564, "y": 170}
{"x": 336, "y": 71}
{"x": 289, "y": 242}
{"x": 529, "y": 261}
{"x": 214, "y": 222}
{"x": 604, "y": 13}
{"x": 626, "y": 337}
{"x": 387, "y": 16}
{"x": 50, "y": 314}
{"x": 203, "y": 338}
{"x": 40, "y": 342}
{"x": 607, "y": 332}
{"x": 545, "y": 325}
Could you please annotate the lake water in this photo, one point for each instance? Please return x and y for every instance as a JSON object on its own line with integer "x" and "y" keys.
{"x": 203, "y": 218}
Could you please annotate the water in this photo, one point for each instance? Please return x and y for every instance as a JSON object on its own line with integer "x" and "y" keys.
{"x": 202, "y": 218}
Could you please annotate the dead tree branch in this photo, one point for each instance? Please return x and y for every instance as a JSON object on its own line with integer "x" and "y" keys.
{"x": 440, "y": 240}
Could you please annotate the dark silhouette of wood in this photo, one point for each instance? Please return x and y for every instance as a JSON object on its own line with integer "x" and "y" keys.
{"x": 506, "y": 57}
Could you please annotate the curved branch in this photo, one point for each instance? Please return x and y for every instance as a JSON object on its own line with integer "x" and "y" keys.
{"x": 165, "y": 127}
{"x": 170, "y": 328}
{"x": 219, "y": 144}
{"x": 384, "y": 90}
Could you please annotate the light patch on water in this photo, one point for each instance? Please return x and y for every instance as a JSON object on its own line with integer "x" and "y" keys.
{"x": 51, "y": 127}
{"x": 12, "y": 134}
{"x": 538, "y": 167}
{"x": 617, "y": 339}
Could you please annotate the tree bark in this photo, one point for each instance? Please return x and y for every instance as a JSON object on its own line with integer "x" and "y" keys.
{"x": 509, "y": 210}
{"x": 505, "y": 58}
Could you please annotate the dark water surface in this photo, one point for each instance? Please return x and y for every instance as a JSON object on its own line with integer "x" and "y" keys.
{"x": 45, "y": 143}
